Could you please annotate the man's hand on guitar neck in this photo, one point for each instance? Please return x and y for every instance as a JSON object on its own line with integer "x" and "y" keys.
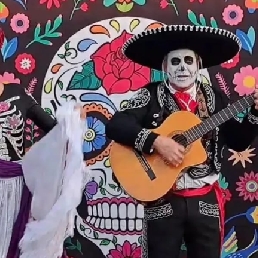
{"x": 170, "y": 150}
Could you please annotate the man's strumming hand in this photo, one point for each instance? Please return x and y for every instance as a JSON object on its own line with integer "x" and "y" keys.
{"x": 170, "y": 150}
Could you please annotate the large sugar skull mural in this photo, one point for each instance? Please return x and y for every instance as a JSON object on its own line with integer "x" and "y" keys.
{"x": 91, "y": 69}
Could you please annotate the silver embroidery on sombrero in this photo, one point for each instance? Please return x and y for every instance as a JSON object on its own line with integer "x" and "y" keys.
{"x": 185, "y": 28}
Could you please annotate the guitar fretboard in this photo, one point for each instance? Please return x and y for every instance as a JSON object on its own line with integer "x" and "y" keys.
{"x": 219, "y": 118}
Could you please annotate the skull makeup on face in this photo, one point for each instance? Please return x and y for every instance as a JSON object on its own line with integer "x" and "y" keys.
{"x": 182, "y": 67}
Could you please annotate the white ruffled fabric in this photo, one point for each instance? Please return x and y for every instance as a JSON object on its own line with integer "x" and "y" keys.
{"x": 55, "y": 173}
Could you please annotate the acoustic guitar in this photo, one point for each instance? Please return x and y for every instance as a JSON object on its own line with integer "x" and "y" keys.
{"x": 149, "y": 177}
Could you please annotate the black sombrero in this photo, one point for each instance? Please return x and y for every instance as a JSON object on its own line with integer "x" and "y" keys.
{"x": 214, "y": 46}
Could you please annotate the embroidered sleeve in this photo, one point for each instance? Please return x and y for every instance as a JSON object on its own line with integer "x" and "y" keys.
{"x": 252, "y": 118}
{"x": 139, "y": 100}
{"x": 127, "y": 126}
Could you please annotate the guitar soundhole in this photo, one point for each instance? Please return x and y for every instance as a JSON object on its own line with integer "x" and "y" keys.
{"x": 181, "y": 139}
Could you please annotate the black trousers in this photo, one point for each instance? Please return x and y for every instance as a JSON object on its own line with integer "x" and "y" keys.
{"x": 194, "y": 219}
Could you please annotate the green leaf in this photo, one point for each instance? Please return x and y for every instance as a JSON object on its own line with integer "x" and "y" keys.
{"x": 78, "y": 245}
{"x": 112, "y": 186}
{"x": 62, "y": 56}
{"x": 86, "y": 79}
{"x": 57, "y": 22}
{"x": 101, "y": 182}
{"x": 192, "y": 17}
{"x": 54, "y": 35}
{"x": 103, "y": 191}
{"x": 45, "y": 42}
{"x": 68, "y": 240}
{"x": 67, "y": 53}
{"x": 114, "y": 240}
{"x": 95, "y": 234}
{"x": 124, "y": 7}
{"x": 105, "y": 242}
{"x": 202, "y": 20}
{"x": 140, "y": 240}
{"x": 64, "y": 96}
{"x": 60, "y": 85}
{"x": 47, "y": 27}
{"x": 67, "y": 45}
{"x": 71, "y": 247}
{"x": 37, "y": 31}
{"x": 213, "y": 23}
{"x": 108, "y": 3}
{"x": 49, "y": 111}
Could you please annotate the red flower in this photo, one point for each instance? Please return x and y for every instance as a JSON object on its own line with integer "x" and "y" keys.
{"x": 84, "y": 7}
{"x": 50, "y": 3}
{"x": 232, "y": 62}
{"x": 25, "y": 63}
{"x": 117, "y": 72}
{"x": 226, "y": 194}
{"x": 126, "y": 251}
{"x": 163, "y": 4}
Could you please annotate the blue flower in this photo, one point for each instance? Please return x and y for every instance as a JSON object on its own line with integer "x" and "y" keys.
{"x": 95, "y": 137}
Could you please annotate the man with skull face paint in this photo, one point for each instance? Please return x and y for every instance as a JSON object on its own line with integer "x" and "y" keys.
{"x": 193, "y": 210}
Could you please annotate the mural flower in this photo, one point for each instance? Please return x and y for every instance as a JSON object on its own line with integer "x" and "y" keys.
{"x": 233, "y": 15}
{"x": 126, "y": 251}
{"x": 123, "y": 5}
{"x": 246, "y": 80}
{"x": 95, "y": 137}
{"x": 8, "y": 78}
{"x": 20, "y": 23}
{"x": 51, "y": 3}
{"x": 248, "y": 186}
{"x": 232, "y": 62}
{"x": 118, "y": 73}
{"x": 251, "y": 4}
{"x": 25, "y": 63}
{"x": 84, "y": 7}
{"x": 90, "y": 189}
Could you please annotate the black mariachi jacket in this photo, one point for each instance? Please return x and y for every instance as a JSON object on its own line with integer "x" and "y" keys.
{"x": 154, "y": 103}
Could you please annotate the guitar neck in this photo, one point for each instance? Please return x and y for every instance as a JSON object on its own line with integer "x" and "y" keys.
{"x": 219, "y": 118}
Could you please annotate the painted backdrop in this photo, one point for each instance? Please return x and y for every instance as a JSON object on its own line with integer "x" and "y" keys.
{"x": 71, "y": 49}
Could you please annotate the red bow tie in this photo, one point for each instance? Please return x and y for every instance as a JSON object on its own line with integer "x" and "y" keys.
{"x": 185, "y": 102}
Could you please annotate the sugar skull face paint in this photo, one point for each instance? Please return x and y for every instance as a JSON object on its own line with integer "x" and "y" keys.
{"x": 182, "y": 67}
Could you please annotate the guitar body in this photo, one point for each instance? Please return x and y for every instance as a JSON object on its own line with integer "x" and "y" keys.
{"x": 131, "y": 174}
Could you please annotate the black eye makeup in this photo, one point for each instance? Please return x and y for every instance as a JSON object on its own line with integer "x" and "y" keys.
{"x": 188, "y": 60}
{"x": 175, "y": 61}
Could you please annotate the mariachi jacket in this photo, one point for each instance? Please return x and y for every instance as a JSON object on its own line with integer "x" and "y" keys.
{"x": 154, "y": 103}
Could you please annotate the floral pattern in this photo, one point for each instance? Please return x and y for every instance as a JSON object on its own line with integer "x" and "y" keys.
{"x": 103, "y": 78}
{"x": 127, "y": 250}
{"x": 25, "y": 63}
{"x": 95, "y": 137}
{"x": 248, "y": 186}
{"x": 246, "y": 80}
{"x": 233, "y": 15}
{"x": 8, "y": 78}
{"x": 118, "y": 73}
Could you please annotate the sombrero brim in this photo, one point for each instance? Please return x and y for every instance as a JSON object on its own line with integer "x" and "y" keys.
{"x": 214, "y": 46}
